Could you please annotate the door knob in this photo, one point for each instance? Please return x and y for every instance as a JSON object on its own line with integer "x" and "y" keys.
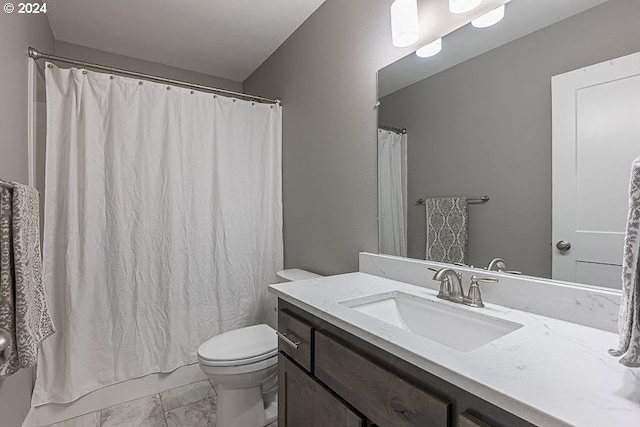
{"x": 563, "y": 245}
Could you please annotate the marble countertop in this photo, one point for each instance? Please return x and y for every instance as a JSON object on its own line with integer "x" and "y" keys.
{"x": 549, "y": 372}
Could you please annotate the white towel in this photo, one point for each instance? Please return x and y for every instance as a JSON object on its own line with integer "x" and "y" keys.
{"x": 629, "y": 317}
{"x": 28, "y": 320}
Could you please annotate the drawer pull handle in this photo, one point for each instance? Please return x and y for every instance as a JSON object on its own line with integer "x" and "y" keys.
{"x": 293, "y": 344}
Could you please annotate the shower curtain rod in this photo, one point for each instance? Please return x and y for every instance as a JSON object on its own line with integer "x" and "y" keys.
{"x": 392, "y": 129}
{"x": 36, "y": 54}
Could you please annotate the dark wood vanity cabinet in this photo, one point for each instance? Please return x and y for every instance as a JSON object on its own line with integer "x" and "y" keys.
{"x": 306, "y": 402}
{"x": 388, "y": 400}
{"x": 468, "y": 420}
{"x": 328, "y": 377}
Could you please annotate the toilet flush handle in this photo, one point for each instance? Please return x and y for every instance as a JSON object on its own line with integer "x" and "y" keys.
{"x": 291, "y": 343}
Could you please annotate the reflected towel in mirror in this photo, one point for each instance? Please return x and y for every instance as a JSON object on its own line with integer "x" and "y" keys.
{"x": 446, "y": 229}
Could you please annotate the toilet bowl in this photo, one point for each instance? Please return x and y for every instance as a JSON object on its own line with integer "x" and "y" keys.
{"x": 242, "y": 364}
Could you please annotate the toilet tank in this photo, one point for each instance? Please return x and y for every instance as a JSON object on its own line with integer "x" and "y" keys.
{"x": 294, "y": 274}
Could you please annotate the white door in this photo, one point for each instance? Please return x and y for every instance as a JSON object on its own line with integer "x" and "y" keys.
{"x": 596, "y": 136}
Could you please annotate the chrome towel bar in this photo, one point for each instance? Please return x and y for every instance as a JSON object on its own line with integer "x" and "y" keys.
{"x": 482, "y": 199}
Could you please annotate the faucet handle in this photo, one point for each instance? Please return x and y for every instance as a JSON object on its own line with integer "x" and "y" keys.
{"x": 474, "y": 298}
{"x": 477, "y": 279}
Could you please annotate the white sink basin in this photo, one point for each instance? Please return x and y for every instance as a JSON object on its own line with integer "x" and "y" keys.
{"x": 455, "y": 327}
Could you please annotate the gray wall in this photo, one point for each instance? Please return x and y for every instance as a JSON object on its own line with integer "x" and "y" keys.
{"x": 120, "y": 61}
{"x": 325, "y": 74}
{"x": 17, "y": 32}
{"x": 484, "y": 127}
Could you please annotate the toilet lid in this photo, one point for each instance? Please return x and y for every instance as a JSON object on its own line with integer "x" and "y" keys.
{"x": 240, "y": 346}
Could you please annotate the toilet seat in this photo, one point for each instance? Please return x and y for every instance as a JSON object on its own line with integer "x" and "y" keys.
{"x": 243, "y": 346}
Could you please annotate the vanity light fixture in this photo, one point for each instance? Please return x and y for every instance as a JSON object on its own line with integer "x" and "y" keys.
{"x": 430, "y": 50}
{"x": 463, "y": 6}
{"x": 489, "y": 18}
{"x": 404, "y": 22}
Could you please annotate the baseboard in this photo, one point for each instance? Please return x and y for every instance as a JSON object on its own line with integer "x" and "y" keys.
{"x": 114, "y": 395}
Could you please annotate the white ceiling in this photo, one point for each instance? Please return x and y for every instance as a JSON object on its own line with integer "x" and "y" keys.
{"x": 522, "y": 17}
{"x": 223, "y": 38}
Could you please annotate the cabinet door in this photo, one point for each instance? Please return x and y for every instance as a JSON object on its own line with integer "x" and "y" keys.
{"x": 303, "y": 402}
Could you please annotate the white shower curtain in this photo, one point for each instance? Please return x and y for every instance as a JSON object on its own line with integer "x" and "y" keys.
{"x": 392, "y": 193}
{"x": 163, "y": 225}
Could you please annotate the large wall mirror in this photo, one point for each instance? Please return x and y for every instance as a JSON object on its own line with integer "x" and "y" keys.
{"x": 471, "y": 139}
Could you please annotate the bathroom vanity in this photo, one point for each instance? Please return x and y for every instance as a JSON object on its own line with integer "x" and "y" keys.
{"x": 343, "y": 362}
{"x": 328, "y": 377}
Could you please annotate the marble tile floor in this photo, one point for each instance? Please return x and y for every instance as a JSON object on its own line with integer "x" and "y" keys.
{"x": 193, "y": 405}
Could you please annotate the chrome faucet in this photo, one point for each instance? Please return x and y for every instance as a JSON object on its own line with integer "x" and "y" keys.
{"x": 450, "y": 284}
{"x": 451, "y": 287}
{"x": 497, "y": 264}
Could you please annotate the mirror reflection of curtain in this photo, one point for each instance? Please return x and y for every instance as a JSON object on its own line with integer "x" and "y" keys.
{"x": 392, "y": 192}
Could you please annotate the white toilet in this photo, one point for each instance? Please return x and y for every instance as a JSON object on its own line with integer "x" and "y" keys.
{"x": 242, "y": 365}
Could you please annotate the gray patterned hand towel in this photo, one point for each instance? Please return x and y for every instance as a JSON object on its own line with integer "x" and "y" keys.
{"x": 446, "y": 221}
{"x": 7, "y": 306}
{"x": 629, "y": 318}
{"x": 23, "y": 308}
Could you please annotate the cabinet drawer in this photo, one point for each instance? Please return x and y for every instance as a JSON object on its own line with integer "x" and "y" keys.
{"x": 378, "y": 394}
{"x": 294, "y": 338}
